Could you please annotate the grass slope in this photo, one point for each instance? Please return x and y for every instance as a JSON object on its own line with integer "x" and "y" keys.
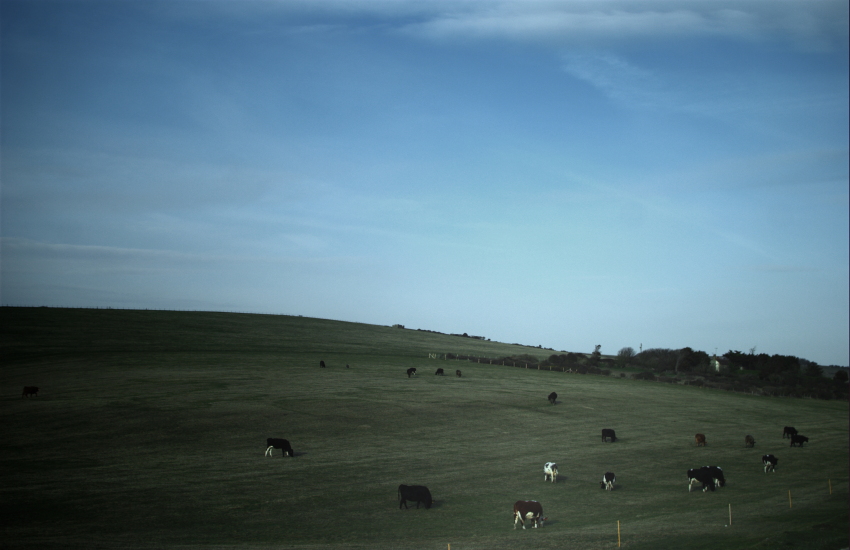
{"x": 149, "y": 432}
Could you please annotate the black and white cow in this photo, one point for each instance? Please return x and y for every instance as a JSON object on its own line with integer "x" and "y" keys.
{"x": 553, "y": 398}
{"x": 607, "y": 482}
{"x": 411, "y": 372}
{"x": 550, "y": 471}
{"x": 530, "y": 510}
{"x": 440, "y": 372}
{"x": 798, "y": 440}
{"x": 414, "y": 493}
{"x": 770, "y": 463}
{"x": 788, "y": 431}
{"x": 717, "y": 474}
{"x": 273, "y": 443}
{"x": 608, "y": 434}
{"x": 29, "y": 391}
{"x": 749, "y": 441}
{"x": 700, "y": 475}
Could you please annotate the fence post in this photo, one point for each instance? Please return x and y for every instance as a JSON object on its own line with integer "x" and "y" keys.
{"x": 789, "y": 499}
{"x": 618, "y": 533}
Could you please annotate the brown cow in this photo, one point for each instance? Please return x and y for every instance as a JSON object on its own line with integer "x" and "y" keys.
{"x": 530, "y": 510}
{"x": 30, "y": 390}
{"x": 749, "y": 441}
{"x": 700, "y": 439}
{"x": 457, "y": 372}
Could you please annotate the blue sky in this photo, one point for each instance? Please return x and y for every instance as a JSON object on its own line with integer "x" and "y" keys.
{"x": 556, "y": 173}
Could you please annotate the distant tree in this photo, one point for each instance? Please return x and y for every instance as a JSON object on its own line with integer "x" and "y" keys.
{"x": 596, "y": 355}
{"x": 840, "y": 376}
{"x": 625, "y": 355}
{"x": 811, "y": 368}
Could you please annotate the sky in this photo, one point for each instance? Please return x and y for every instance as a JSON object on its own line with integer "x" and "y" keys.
{"x": 564, "y": 174}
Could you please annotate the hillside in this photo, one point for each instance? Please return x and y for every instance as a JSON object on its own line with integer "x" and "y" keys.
{"x": 149, "y": 429}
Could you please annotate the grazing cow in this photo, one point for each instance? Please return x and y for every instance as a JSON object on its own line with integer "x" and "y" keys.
{"x": 346, "y": 366}
{"x": 607, "y": 482}
{"x": 717, "y": 474}
{"x": 411, "y": 372}
{"x": 700, "y": 439}
{"x": 700, "y": 475}
{"x": 530, "y": 510}
{"x": 440, "y": 372}
{"x": 321, "y": 364}
{"x": 277, "y": 443}
{"x": 770, "y": 463}
{"x": 457, "y": 373}
{"x": 550, "y": 471}
{"x": 414, "y": 493}
{"x": 749, "y": 441}
{"x": 608, "y": 434}
{"x": 798, "y": 440}
{"x": 553, "y": 398}
{"x": 788, "y": 431}
{"x": 30, "y": 390}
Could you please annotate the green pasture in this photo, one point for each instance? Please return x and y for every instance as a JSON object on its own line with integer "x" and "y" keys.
{"x": 149, "y": 432}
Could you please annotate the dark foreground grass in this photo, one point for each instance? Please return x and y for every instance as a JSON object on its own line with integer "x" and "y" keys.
{"x": 149, "y": 432}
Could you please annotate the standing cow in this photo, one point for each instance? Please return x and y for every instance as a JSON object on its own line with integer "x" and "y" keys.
{"x": 700, "y": 475}
{"x": 788, "y": 431}
{"x": 273, "y": 443}
{"x": 700, "y": 440}
{"x": 798, "y": 440}
{"x": 553, "y": 398}
{"x": 607, "y": 482}
{"x": 411, "y": 372}
{"x": 30, "y": 390}
{"x": 440, "y": 372}
{"x": 530, "y": 510}
{"x": 550, "y": 471}
{"x": 716, "y": 474}
{"x": 414, "y": 493}
{"x": 457, "y": 373}
{"x": 749, "y": 441}
{"x": 321, "y": 364}
{"x": 607, "y": 434}
{"x": 770, "y": 463}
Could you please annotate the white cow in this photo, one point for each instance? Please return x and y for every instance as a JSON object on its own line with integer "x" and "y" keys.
{"x": 550, "y": 471}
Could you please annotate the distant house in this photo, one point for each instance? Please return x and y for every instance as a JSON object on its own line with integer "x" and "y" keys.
{"x": 718, "y": 362}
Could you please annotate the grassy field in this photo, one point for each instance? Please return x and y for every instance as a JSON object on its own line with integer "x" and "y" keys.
{"x": 149, "y": 431}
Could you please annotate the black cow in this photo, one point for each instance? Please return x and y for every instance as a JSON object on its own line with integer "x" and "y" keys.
{"x": 321, "y": 364}
{"x": 440, "y": 372}
{"x": 553, "y": 398}
{"x": 277, "y": 443}
{"x": 788, "y": 431}
{"x": 607, "y": 482}
{"x": 608, "y": 434}
{"x": 749, "y": 441}
{"x": 530, "y": 510}
{"x": 414, "y": 493}
{"x": 717, "y": 474}
{"x": 411, "y": 372}
{"x": 700, "y": 475}
{"x": 770, "y": 463}
{"x": 30, "y": 390}
{"x": 798, "y": 440}
{"x": 457, "y": 373}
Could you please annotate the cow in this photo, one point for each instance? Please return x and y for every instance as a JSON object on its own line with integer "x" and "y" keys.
{"x": 30, "y": 390}
{"x": 440, "y": 372}
{"x": 770, "y": 463}
{"x": 749, "y": 441}
{"x": 608, "y": 433}
{"x": 717, "y": 474}
{"x": 277, "y": 443}
{"x": 700, "y": 440}
{"x": 788, "y": 431}
{"x": 530, "y": 510}
{"x": 607, "y": 482}
{"x": 553, "y": 398}
{"x": 798, "y": 440}
{"x": 411, "y": 372}
{"x": 321, "y": 364}
{"x": 414, "y": 493}
{"x": 550, "y": 471}
{"x": 457, "y": 373}
{"x": 700, "y": 475}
